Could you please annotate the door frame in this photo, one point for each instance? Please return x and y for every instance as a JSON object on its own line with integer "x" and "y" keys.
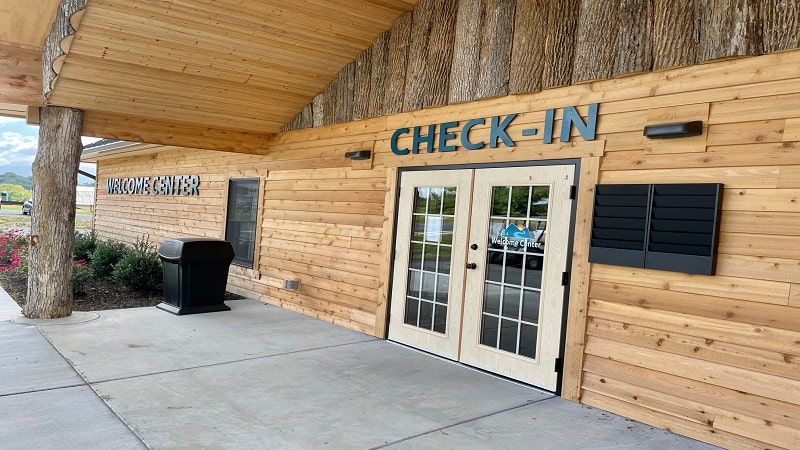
{"x": 575, "y": 162}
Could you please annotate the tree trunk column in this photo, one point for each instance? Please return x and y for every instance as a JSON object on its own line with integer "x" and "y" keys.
{"x": 53, "y": 215}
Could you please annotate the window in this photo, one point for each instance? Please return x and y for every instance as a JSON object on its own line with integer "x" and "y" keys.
{"x": 240, "y": 225}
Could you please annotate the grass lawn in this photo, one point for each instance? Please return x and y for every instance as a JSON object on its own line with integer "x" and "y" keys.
{"x": 20, "y": 221}
{"x": 18, "y": 208}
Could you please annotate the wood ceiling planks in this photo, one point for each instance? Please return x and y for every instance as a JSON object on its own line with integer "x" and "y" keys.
{"x": 25, "y": 23}
{"x": 23, "y": 26}
{"x": 247, "y": 65}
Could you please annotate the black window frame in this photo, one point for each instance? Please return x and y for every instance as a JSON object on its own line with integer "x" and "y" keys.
{"x": 233, "y": 228}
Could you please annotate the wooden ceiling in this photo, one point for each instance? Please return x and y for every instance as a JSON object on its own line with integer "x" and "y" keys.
{"x": 224, "y": 67}
{"x": 24, "y": 24}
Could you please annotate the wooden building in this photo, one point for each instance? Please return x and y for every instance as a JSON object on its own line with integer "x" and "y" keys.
{"x": 455, "y": 187}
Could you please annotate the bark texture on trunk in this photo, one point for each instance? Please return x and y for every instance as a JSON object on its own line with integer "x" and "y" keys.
{"x": 329, "y": 105}
{"x": 728, "y": 28}
{"x": 399, "y": 42}
{"x": 596, "y": 41}
{"x": 377, "y": 76}
{"x": 562, "y": 20}
{"x": 413, "y": 98}
{"x": 361, "y": 84}
{"x": 306, "y": 117}
{"x": 318, "y": 110}
{"x": 466, "y": 68}
{"x": 634, "y": 37}
{"x": 52, "y": 46}
{"x": 498, "y": 36}
{"x": 527, "y": 54}
{"x": 674, "y": 34}
{"x": 439, "y": 57}
{"x": 55, "y": 172}
{"x": 343, "y": 111}
{"x": 781, "y": 24}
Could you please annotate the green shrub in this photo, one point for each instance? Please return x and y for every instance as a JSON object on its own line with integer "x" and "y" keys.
{"x": 140, "y": 268}
{"x": 81, "y": 275}
{"x": 85, "y": 244}
{"x": 106, "y": 254}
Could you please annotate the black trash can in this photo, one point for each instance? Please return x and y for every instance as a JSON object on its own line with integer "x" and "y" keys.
{"x": 195, "y": 275}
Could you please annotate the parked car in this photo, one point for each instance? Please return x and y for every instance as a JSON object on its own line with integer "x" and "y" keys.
{"x": 27, "y": 206}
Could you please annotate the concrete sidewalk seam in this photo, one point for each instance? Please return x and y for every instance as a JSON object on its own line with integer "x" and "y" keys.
{"x": 89, "y": 385}
{"x": 32, "y": 391}
{"x": 465, "y": 421}
{"x": 203, "y": 366}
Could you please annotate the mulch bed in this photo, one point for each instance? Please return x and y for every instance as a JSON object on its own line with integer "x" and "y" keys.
{"x": 100, "y": 294}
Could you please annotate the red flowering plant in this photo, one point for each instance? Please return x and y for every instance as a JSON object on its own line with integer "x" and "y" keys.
{"x": 14, "y": 251}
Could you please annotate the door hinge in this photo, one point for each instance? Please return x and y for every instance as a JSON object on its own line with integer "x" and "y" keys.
{"x": 564, "y": 278}
{"x": 573, "y": 192}
{"x": 559, "y": 365}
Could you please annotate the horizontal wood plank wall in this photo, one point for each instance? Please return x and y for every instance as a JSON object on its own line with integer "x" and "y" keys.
{"x": 716, "y": 358}
{"x": 709, "y": 357}
{"x": 321, "y": 223}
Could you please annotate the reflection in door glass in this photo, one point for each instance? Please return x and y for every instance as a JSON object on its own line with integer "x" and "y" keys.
{"x": 429, "y": 257}
{"x": 513, "y": 277}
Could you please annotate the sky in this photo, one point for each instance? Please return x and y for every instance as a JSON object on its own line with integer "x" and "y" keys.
{"x": 18, "y": 143}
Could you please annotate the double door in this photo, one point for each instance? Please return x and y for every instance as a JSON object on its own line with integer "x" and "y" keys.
{"x": 480, "y": 260}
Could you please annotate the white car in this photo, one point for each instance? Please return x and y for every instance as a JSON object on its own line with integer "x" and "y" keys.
{"x": 27, "y": 206}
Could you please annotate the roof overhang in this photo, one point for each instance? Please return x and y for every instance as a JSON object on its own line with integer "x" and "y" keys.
{"x": 24, "y": 25}
{"x": 225, "y": 74}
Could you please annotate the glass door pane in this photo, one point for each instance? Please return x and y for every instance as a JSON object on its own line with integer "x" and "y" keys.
{"x": 518, "y": 248}
{"x": 430, "y": 247}
{"x": 430, "y": 256}
{"x": 513, "y": 274}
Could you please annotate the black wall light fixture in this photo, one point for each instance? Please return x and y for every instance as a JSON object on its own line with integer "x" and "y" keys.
{"x": 674, "y": 130}
{"x": 358, "y": 155}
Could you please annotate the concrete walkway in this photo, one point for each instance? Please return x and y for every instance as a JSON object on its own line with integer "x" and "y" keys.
{"x": 263, "y": 377}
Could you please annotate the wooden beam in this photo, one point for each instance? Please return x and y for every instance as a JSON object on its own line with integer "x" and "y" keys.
{"x": 32, "y": 115}
{"x": 21, "y": 89}
{"x": 19, "y": 61}
{"x": 12, "y": 110}
{"x": 137, "y": 129}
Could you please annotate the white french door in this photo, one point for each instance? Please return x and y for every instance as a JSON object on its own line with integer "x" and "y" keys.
{"x": 478, "y": 269}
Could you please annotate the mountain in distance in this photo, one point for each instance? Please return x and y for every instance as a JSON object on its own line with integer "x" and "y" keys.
{"x": 12, "y": 178}
{"x": 27, "y": 182}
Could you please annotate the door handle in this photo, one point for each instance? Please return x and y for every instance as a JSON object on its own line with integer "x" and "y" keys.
{"x": 472, "y": 266}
